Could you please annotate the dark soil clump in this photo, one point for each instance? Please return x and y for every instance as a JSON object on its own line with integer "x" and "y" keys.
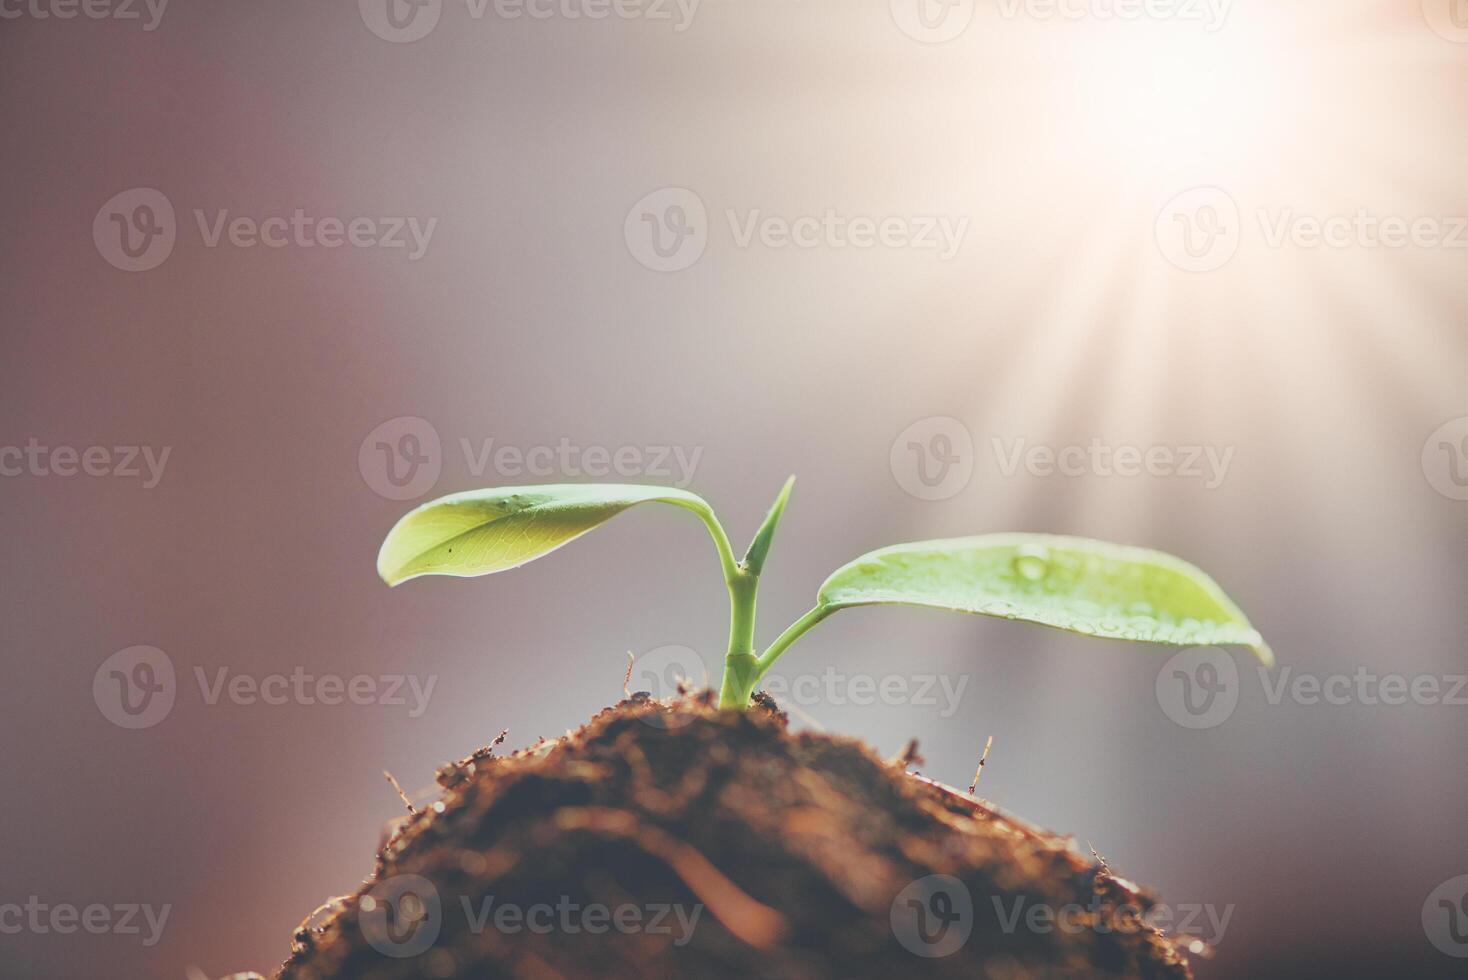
{"x": 675, "y": 840}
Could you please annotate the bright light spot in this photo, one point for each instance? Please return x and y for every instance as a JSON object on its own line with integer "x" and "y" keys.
{"x": 1158, "y": 102}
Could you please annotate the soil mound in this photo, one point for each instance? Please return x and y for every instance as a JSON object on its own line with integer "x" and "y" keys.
{"x": 670, "y": 839}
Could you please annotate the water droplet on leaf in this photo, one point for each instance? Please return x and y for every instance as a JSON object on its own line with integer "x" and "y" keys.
{"x": 1032, "y": 562}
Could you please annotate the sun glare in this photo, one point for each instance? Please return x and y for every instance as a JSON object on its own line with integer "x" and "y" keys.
{"x": 1156, "y": 102}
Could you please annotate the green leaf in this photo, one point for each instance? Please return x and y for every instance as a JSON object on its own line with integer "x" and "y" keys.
{"x": 485, "y": 531}
{"x": 759, "y": 548}
{"x": 1075, "y": 584}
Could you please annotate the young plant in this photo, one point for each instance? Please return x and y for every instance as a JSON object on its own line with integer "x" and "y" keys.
{"x": 1075, "y": 584}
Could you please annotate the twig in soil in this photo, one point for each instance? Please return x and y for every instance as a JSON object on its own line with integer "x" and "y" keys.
{"x": 983, "y": 761}
{"x": 909, "y": 756}
{"x": 749, "y": 920}
{"x": 314, "y": 921}
{"x": 401, "y": 795}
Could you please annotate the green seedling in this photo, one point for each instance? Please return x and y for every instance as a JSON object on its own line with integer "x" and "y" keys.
{"x": 1088, "y": 587}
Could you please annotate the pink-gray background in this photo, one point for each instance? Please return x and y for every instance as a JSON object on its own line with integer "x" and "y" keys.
{"x": 529, "y": 320}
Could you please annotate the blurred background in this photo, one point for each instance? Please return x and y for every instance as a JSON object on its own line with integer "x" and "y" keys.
{"x": 1187, "y": 275}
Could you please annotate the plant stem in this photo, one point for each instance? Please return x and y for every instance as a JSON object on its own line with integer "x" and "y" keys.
{"x": 716, "y": 531}
{"x": 796, "y": 630}
{"x": 741, "y": 668}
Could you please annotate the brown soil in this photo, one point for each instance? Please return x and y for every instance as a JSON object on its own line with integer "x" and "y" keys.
{"x": 797, "y": 852}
